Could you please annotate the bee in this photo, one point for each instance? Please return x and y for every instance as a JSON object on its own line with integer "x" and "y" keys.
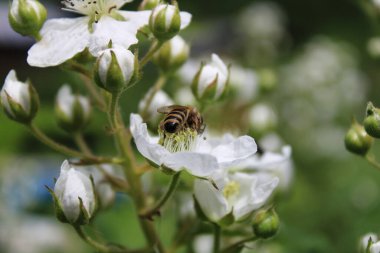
{"x": 179, "y": 117}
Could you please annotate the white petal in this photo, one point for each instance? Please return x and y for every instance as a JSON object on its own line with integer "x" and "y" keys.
{"x": 185, "y": 19}
{"x": 375, "y": 248}
{"x": 197, "y": 164}
{"x": 218, "y": 63}
{"x": 365, "y": 239}
{"x": 121, "y": 33}
{"x": 211, "y": 200}
{"x": 62, "y": 39}
{"x": 144, "y": 143}
{"x": 229, "y": 150}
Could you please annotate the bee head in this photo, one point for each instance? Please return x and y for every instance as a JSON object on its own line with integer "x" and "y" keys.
{"x": 171, "y": 127}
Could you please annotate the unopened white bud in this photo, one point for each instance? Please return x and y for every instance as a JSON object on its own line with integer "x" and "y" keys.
{"x": 165, "y": 21}
{"x": 211, "y": 80}
{"x": 116, "y": 69}
{"x": 74, "y": 196}
{"x": 172, "y": 54}
{"x": 159, "y": 99}
{"x": 19, "y": 100}
{"x": 262, "y": 119}
{"x": 27, "y": 16}
{"x": 73, "y": 111}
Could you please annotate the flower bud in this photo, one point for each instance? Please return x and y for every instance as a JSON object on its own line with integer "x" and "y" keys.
{"x": 73, "y": 111}
{"x": 210, "y": 82}
{"x": 165, "y": 21}
{"x": 19, "y": 100}
{"x": 372, "y": 121}
{"x": 148, "y": 5}
{"x": 267, "y": 80}
{"x": 74, "y": 196}
{"x": 27, "y": 16}
{"x": 262, "y": 119}
{"x": 116, "y": 69}
{"x": 357, "y": 140}
{"x": 266, "y": 223}
{"x": 159, "y": 99}
{"x": 172, "y": 54}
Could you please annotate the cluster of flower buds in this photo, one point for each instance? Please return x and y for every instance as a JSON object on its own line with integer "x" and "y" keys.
{"x": 27, "y": 17}
{"x": 19, "y": 99}
{"x": 359, "y": 138}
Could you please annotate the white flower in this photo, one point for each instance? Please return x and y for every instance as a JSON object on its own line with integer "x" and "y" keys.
{"x": 71, "y": 186}
{"x": 73, "y": 111}
{"x": 375, "y": 247}
{"x": 19, "y": 99}
{"x": 63, "y": 38}
{"x": 160, "y": 99}
{"x": 211, "y": 80}
{"x": 272, "y": 163}
{"x": 201, "y": 157}
{"x": 238, "y": 194}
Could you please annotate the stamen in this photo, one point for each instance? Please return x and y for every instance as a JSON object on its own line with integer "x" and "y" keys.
{"x": 184, "y": 140}
{"x": 231, "y": 189}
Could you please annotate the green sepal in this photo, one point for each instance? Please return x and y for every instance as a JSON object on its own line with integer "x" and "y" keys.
{"x": 265, "y": 223}
{"x": 148, "y": 5}
{"x": 210, "y": 91}
{"x": 17, "y": 111}
{"x": 227, "y": 84}
{"x": 158, "y": 26}
{"x": 370, "y": 242}
{"x": 84, "y": 217}
{"x": 227, "y": 220}
{"x": 57, "y": 207}
{"x": 115, "y": 80}
{"x": 195, "y": 83}
{"x": 167, "y": 170}
{"x": 198, "y": 210}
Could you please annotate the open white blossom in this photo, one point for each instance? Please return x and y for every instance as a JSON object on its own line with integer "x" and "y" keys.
{"x": 200, "y": 156}
{"x": 238, "y": 194}
{"x": 271, "y": 163}
{"x": 70, "y": 186}
{"x": 63, "y": 38}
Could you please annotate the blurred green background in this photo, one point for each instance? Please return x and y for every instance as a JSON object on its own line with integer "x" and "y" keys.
{"x": 335, "y": 196}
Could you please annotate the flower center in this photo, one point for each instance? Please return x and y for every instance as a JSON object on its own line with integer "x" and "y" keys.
{"x": 231, "y": 189}
{"x": 184, "y": 140}
{"x": 92, "y": 8}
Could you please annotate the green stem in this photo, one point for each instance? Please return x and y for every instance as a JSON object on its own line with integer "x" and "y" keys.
{"x": 82, "y": 144}
{"x": 156, "y": 45}
{"x": 98, "y": 246}
{"x": 157, "y": 86}
{"x": 372, "y": 161}
{"x": 54, "y": 145}
{"x": 217, "y": 235}
{"x": 238, "y": 245}
{"x": 122, "y": 139}
{"x": 95, "y": 94}
{"x": 156, "y": 209}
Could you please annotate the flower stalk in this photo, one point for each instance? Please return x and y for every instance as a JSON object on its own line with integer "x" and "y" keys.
{"x": 239, "y": 245}
{"x": 156, "y": 209}
{"x": 156, "y": 45}
{"x": 217, "y": 238}
{"x": 371, "y": 160}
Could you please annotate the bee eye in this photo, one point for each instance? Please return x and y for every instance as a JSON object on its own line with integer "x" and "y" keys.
{"x": 171, "y": 127}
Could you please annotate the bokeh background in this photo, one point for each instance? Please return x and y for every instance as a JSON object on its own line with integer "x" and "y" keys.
{"x": 312, "y": 64}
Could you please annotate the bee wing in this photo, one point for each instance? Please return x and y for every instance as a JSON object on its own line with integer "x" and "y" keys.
{"x": 168, "y": 109}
